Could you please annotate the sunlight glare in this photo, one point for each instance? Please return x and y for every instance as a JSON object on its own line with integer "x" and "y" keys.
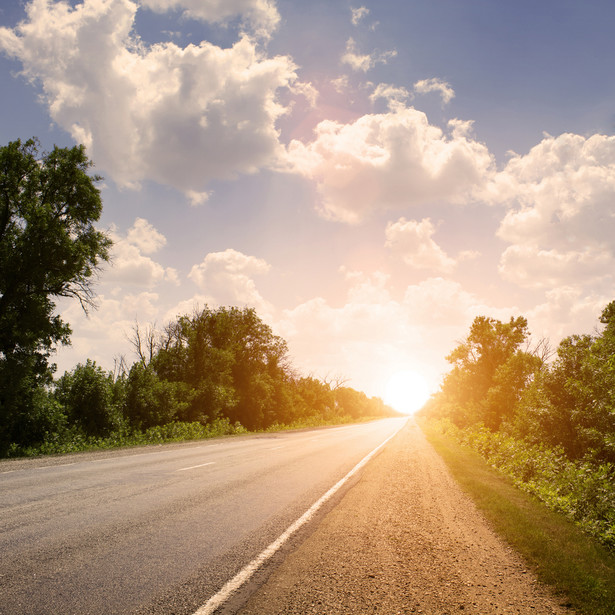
{"x": 406, "y": 392}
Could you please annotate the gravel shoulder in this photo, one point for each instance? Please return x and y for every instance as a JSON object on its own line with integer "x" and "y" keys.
{"x": 404, "y": 539}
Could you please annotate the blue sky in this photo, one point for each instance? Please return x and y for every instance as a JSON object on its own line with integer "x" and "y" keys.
{"x": 369, "y": 175}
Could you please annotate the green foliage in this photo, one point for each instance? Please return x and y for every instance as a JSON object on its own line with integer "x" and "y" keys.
{"x": 489, "y": 371}
{"x": 150, "y": 401}
{"x": 232, "y": 361}
{"x": 49, "y": 248}
{"x": 89, "y": 397}
{"x": 550, "y": 427}
{"x": 569, "y": 403}
{"x": 582, "y": 490}
{"x": 77, "y": 441}
{"x": 357, "y": 405}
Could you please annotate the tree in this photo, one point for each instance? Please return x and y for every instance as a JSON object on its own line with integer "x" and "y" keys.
{"x": 49, "y": 248}
{"x": 231, "y": 360}
{"x": 489, "y": 358}
{"x": 89, "y": 397}
{"x": 151, "y": 401}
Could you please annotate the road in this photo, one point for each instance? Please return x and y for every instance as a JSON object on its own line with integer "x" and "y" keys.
{"x": 160, "y": 529}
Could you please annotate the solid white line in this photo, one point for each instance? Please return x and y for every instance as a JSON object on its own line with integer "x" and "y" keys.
{"x": 209, "y": 463}
{"x": 243, "y": 575}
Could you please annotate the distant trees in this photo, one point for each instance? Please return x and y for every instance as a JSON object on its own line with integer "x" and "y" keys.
{"x": 217, "y": 368}
{"x": 227, "y": 362}
{"x": 91, "y": 399}
{"x": 49, "y": 248}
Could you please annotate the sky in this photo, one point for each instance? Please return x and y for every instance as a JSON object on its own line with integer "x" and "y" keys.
{"x": 369, "y": 176}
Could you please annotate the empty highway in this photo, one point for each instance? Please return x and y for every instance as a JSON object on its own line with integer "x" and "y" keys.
{"x": 160, "y": 529}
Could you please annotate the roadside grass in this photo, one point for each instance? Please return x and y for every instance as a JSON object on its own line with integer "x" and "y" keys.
{"x": 581, "y": 571}
{"x": 172, "y": 432}
{"x": 312, "y": 422}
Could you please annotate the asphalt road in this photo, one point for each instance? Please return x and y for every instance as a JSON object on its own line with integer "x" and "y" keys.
{"x": 160, "y": 529}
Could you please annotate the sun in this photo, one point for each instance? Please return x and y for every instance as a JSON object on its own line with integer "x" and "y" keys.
{"x": 406, "y": 392}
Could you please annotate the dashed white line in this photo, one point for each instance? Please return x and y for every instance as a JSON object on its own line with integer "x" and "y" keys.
{"x": 58, "y": 465}
{"x": 243, "y": 575}
{"x": 201, "y": 465}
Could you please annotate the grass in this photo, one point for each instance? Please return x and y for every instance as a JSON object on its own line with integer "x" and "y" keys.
{"x": 581, "y": 571}
{"x": 172, "y": 432}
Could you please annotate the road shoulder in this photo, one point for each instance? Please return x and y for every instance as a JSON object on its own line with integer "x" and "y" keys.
{"x": 404, "y": 539}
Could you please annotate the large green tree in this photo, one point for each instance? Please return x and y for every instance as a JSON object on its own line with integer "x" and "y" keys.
{"x": 230, "y": 361}
{"x": 49, "y": 248}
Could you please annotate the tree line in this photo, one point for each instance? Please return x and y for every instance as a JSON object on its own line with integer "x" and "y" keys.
{"x": 546, "y": 418}
{"x": 219, "y": 366}
{"x": 564, "y": 398}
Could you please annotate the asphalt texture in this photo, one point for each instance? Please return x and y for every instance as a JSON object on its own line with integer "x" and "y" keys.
{"x": 160, "y": 529}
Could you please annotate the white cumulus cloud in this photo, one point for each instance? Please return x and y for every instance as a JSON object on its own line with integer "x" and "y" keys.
{"x": 180, "y": 116}
{"x": 413, "y": 241}
{"x": 226, "y": 278}
{"x": 358, "y": 14}
{"x": 129, "y": 265}
{"x": 394, "y": 95}
{"x": 390, "y": 161}
{"x": 560, "y": 220}
{"x": 143, "y": 235}
{"x": 259, "y": 16}
{"x": 425, "y": 86}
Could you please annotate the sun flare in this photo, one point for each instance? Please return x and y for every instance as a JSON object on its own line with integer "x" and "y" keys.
{"x": 406, "y": 392}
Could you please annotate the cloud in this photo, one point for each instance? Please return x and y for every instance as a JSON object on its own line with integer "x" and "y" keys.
{"x": 364, "y": 62}
{"x": 560, "y": 221}
{"x": 177, "y": 116}
{"x": 413, "y": 241}
{"x": 530, "y": 266}
{"x": 143, "y": 235}
{"x": 567, "y": 311}
{"x": 358, "y": 14}
{"x": 340, "y": 84}
{"x": 395, "y": 96}
{"x": 390, "y": 161}
{"x": 226, "y": 278}
{"x": 129, "y": 265}
{"x": 103, "y": 334}
{"x": 425, "y": 86}
{"x": 259, "y": 16}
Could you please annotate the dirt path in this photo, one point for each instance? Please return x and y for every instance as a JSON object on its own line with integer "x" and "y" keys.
{"x": 405, "y": 539}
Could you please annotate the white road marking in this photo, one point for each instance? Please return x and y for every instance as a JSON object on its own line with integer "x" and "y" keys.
{"x": 275, "y": 448}
{"x": 209, "y": 463}
{"x": 243, "y": 575}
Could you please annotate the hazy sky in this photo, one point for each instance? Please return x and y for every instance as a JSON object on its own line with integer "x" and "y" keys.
{"x": 370, "y": 176}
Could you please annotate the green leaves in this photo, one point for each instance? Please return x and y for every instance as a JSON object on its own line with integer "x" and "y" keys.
{"x": 49, "y": 248}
